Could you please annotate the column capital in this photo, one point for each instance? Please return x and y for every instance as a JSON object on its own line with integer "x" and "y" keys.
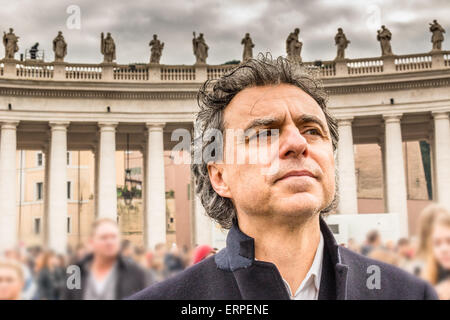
{"x": 10, "y": 124}
{"x": 58, "y": 125}
{"x": 345, "y": 121}
{"x": 392, "y": 117}
{"x": 107, "y": 125}
{"x": 155, "y": 125}
{"x": 440, "y": 115}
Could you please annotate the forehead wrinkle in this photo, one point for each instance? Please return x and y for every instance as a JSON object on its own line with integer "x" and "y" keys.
{"x": 294, "y": 94}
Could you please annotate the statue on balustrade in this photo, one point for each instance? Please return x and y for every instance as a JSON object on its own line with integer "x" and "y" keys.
{"x": 385, "y": 36}
{"x": 342, "y": 43}
{"x": 248, "y": 47}
{"x": 34, "y": 51}
{"x": 156, "y": 50}
{"x": 438, "y": 35}
{"x": 59, "y": 47}
{"x": 200, "y": 48}
{"x": 294, "y": 46}
{"x": 108, "y": 48}
{"x": 10, "y": 41}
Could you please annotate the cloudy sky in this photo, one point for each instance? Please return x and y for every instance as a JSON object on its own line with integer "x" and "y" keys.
{"x": 224, "y": 23}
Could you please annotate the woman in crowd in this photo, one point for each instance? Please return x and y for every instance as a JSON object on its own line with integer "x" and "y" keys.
{"x": 50, "y": 278}
{"x": 426, "y": 219}
{"x": 437, "y": 266}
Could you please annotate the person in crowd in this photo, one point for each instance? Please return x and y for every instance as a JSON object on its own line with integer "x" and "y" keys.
{"x": 157, "y": 262}
{"x": 139, "y": 256}
{"x": 173, "y": 262}
{"x": 126, "y": 249}
{"x": 29, "y": 284}
{"x": 50, "y": 277}
{"x": 202, "y": 252}
{"x": 353, "y": 245}
{"x": 78, "y": 254}
{"x": 373, "y": 241}
{"x": 405, "y": 252}
{"x": 105, "y": 273}
{"x": 385, "y": 255}
{"x": 278, "y": 246}
{"x": 437, "y": 267}
{"x": 426, "y": 221}
{"x": 11, "y": 279}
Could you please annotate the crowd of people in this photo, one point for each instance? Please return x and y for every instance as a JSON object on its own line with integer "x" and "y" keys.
{"x": 111, "y": 268}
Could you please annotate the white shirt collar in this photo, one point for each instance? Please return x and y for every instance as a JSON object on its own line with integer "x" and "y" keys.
{"x": 309, "y": 288}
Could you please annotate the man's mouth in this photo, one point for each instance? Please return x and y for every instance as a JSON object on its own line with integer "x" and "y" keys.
{"x": 296, "y": 173}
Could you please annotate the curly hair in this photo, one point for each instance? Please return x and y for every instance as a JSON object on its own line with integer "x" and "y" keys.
{"x": 213, "y": 97}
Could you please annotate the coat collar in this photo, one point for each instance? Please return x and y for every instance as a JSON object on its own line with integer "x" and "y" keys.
{"x": 240, "y": 254}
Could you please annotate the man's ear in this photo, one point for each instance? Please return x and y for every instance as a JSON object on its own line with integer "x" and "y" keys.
{"x": 216, "y": 176}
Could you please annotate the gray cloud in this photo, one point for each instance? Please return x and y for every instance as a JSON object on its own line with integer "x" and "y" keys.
{"x": 224, "y": 23}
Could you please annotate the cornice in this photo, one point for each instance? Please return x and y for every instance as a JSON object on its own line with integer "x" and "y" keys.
{"x": 188, "y": 91}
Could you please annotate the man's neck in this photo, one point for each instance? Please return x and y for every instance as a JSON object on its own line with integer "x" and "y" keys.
{"x": 101, "y": 266}
{"x": 291, "y": 246}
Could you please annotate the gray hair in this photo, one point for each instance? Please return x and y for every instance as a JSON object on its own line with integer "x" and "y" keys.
{"x": 213, "y": 97}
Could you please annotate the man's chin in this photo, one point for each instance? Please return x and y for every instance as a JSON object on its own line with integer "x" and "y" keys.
{"x": 299, "y": 202}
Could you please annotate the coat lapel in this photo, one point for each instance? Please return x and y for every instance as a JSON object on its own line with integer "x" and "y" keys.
{"x": 262, "y": 280}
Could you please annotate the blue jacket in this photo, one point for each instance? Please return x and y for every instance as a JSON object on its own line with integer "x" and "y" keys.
{"x": 233, "y": 274}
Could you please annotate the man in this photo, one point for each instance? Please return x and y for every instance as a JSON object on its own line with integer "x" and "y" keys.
{"x": 373, "y": 241}
{"x": 105, "y": 274}
{"x": 278, "y": 246}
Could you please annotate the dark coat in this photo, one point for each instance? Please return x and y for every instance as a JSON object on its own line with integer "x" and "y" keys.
{"x": 50, "y": 284}
{"x": 234, "y": 274}
{"x": 131, "y": 278}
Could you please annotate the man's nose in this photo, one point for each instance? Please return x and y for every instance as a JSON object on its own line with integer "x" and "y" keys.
{"x": 292, "y": 142}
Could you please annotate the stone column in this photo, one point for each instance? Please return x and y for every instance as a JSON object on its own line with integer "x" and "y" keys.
{"x": 155, "y": 191}
{"x": 395, "y": 171}
{"x": 348, "y": 198}
{"x": 96, "y": 166}
{"x": 57, "y": 189}
{"x": 8, "y": 182}
{"x": 107, "y": 185}
{"x": 442, "y": 157}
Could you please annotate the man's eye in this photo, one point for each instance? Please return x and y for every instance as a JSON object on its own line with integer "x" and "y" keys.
{"x": 264, "y": 133}
{"x": 315, "y": 131}
{"x": 260, "y": 134}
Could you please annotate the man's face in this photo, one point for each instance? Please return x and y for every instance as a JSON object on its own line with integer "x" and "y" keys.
{"x": 105, "y": 241}
{"x": 10, "y": 283}
{"x": 303, "y": 143}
